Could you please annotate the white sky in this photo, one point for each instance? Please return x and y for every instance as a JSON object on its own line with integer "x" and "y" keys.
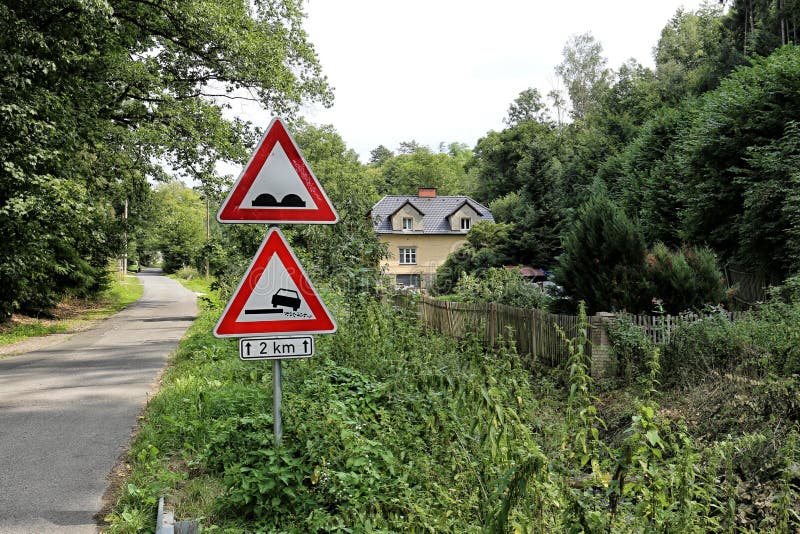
{"x": 447, "y": 70}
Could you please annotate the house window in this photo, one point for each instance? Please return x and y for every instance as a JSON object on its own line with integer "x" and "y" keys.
{"x": 408, "y": 280}
{"x": 408, "y": 256}
{"x": 408, "y": 223}
{"x": 466, "y": 222}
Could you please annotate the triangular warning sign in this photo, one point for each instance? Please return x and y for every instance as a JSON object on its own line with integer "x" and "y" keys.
{"x": 274, "y": 297}
{"x": 277, "y": 186}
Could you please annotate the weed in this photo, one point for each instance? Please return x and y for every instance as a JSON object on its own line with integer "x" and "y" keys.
{"x": 391, "y": 428}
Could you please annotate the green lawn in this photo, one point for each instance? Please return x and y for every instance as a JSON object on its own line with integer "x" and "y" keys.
{"x": 197, "y": 284}
{"x": 72, "y": 313}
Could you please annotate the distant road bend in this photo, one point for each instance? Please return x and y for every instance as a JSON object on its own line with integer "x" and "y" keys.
{"x": 67, "y": 411}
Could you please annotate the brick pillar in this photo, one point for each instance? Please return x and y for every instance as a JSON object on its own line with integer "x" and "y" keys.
{"x": 602, "y": 360}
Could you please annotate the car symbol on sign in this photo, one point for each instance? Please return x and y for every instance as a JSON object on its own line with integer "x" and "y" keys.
{"x": 287, "y": 298}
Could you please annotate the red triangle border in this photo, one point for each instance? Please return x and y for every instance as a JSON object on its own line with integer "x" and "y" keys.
{"x": 232, "y": 211}
{"x": 274, "y": 244}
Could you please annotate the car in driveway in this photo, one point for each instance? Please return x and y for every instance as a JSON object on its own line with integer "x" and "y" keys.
{"x": 288, "y": 298}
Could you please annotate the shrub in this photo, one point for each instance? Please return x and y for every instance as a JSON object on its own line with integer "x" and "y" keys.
{"x": 710, "y": 344}
{"x": 187, "y": 273}
{"x": 685, "y": 279}
{"x": 504, "y": 286}
{"x": 465, "y": 260}
{"x": 775, "y": 329}
{"x": 631, "y": 348}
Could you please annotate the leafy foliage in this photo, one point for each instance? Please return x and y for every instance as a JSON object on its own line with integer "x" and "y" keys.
{"x": 603, "y": 260}
{"x": 98, "y": 96}
{"x": 584, "y": 73}
{"x": 178, "y": 230}
{"x": 504, "y": 286}
{"x": 731, "y": 154}
{"x": 685, "y": 279}
{"x": 393, "y": 428}
{"x": 487, "y": 247}
{"x": 418, "y": 167}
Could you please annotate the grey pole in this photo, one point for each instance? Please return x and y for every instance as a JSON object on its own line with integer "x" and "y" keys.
{"x": 277, "y": 393}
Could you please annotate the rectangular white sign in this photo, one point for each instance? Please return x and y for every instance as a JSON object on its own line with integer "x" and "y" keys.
{"x": 275, "y": 348}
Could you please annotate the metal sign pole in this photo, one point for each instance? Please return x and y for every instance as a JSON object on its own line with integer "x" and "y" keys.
{"x": 277, "y": 393}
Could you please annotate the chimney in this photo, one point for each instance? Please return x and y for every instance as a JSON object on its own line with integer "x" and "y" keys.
{"x": 427, "y": 192}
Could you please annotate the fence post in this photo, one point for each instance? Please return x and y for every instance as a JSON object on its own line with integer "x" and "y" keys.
{"x": 492, "y": 327}
{"x": 602, "y": 359}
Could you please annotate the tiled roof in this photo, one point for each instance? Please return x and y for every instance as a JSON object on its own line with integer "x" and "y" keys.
{"x": 436, "y": 210}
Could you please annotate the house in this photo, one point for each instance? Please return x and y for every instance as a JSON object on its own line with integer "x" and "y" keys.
{"x": 422, "y": 230}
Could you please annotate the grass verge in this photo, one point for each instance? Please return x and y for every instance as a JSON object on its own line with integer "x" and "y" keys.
{"x": 197, "y": 284}
{"x": 72, "y": 313}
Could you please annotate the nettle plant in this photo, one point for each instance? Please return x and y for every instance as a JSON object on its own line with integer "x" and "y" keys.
{"x": 656, "y": 479}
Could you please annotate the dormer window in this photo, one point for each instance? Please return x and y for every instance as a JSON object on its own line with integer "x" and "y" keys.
{"x": 466, "y": 222}
{"x": 408, "y": 223}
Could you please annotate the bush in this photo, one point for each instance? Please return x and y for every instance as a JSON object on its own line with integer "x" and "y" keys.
{"x": 504, "y": 286}
{"x": 187, "y": 273}
{"x": 697, "y": 349}
{"x": 466, "y": 260}
{"x": 775, "y": 329}
{"x": 685, "y": 279}
{"x": 631, "y": 348}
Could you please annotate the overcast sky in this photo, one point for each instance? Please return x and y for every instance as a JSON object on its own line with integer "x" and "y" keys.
{"x": 446, "y": 70}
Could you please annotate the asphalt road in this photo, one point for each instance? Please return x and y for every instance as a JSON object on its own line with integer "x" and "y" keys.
{"x": 67, "y": 412}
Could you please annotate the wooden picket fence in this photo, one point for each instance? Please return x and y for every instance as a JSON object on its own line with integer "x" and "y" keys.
{"x": 534, "y": 333}
{"x": 659, "y": 328}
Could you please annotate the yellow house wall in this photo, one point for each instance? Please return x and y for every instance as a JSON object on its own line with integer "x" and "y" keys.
{"x": 432, "y": 251}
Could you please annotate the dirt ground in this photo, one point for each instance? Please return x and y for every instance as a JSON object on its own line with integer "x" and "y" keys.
{"x": 68, "y": 311}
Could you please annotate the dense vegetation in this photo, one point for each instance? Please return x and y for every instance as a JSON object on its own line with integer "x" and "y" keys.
{"x": 103, "y": 98}
{"x": 699, "y": 153}
{"x": 390, "y": 428}
{"x": 634, "y": 185}
{"x": 98, "y": 97}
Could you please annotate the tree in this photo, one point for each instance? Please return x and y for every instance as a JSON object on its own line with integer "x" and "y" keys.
{"x": 519, "y": 175}
{"x": 685, "y": 279}
{"x": 694, "y": 52}
{"x": 603, "y": 263}
{"x": 761, "y": 26}
{"x": 738, "y": 159}
{"x": 584, "y": 73}
{"x": 528, "y": 106}
{"x": 629, "y": 102}
{"x": 99, "y": 97}
{"x": 486, "y": 234}
{"x": 412, "y": 147}
{"x": 769, "y": 227}
{"x": 650, "y": 179}
{"x": 380, "y": 155}
{"x": 179, "y": 232}
{"x": 559, "y": 103}
{"x": 406, "y": 173}
{"x": 507, "y": 161}
{"x": 348, "y": 252}
{"x": 487, "y": 246}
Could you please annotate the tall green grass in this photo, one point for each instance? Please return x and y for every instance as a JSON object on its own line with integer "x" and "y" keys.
{"x": 390, "y": 428}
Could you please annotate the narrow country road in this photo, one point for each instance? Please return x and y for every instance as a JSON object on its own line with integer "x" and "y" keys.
{"x": 67, "y": 412}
